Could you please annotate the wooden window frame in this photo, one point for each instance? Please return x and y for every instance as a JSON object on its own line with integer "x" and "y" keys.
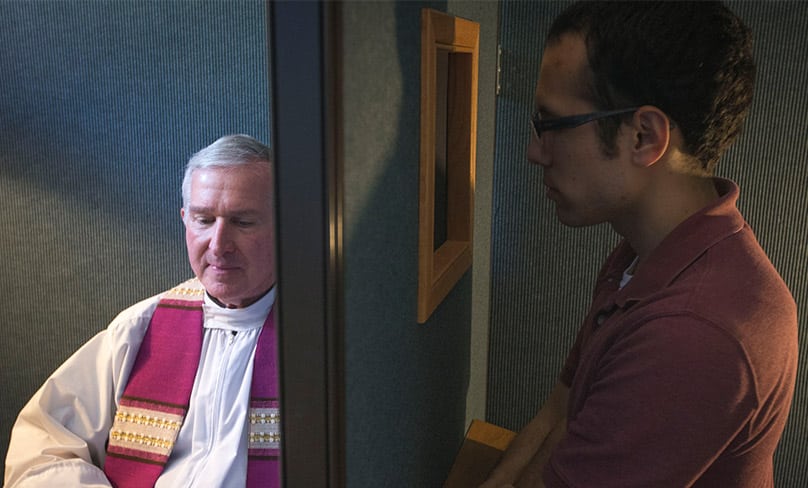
{"x": 441, "y": 267}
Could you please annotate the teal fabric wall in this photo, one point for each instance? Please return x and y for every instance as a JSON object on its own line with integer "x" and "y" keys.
{"x": 405, "y": 383}
{"x": 542, "y": 272}
{"x": 101, "y": 104}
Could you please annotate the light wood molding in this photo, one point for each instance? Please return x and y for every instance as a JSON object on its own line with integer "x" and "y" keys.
{"x": 441, "y": 266}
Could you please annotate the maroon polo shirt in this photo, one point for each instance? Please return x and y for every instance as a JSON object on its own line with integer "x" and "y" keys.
{"x": 685, "y": 376}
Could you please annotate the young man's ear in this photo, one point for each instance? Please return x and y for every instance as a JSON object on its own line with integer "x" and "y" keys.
{"x": 652, "y": 135}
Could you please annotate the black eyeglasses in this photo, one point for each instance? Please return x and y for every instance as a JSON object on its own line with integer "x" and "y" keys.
{"x": 541, "y": 125}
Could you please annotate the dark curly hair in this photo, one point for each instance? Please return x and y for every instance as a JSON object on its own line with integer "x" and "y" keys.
{"x": 692, "y": 60}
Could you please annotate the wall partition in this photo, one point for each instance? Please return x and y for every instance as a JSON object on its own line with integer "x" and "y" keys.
{"x": 406, "y": 383}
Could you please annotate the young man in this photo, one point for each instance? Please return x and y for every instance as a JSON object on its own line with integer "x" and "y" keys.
{"x": 683, "y": 371}
{"x": 180, "y": 389}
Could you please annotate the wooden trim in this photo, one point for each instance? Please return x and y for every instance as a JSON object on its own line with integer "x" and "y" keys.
{"x": 479, "y": 454}
{"x": 440, "y": 269}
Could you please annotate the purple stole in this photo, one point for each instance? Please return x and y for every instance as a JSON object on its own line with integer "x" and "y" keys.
{"x": 157, "y": 395}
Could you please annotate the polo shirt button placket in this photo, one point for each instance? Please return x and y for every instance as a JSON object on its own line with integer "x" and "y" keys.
{"x": 604, "y": 314}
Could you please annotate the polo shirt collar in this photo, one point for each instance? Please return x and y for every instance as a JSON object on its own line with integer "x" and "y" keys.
{"x": 679, "y": 249}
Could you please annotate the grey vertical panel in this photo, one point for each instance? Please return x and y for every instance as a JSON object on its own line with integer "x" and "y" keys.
{"x": 542, "y": 272}
{"x": 309, "y": 247}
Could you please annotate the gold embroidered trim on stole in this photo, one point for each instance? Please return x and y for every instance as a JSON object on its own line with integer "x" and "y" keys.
{"x": 265, "y": 428}
{"x": 191, "y": 290}
{"x": 145, "y": 430}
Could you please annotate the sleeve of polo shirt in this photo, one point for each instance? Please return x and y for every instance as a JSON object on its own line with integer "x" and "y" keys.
{"x": 666, "y": 400}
